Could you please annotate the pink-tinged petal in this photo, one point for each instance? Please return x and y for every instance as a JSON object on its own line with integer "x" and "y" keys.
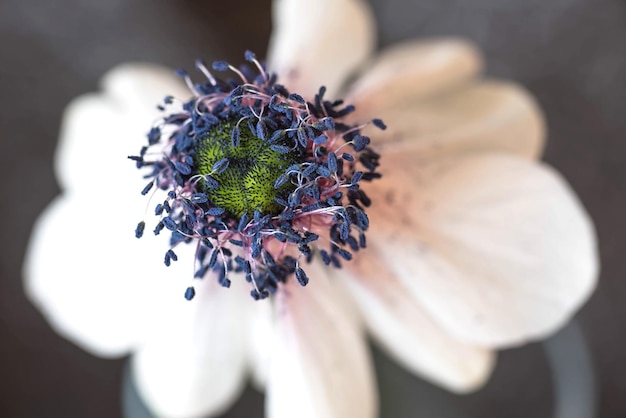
{"x": 320, "y": 364}
{"x": 194, "y": 363}
{"x": 487, "y": 116}
{"x": 319, "y": 43}
{"x": 498, "y": 249}
{"x": 100, "y": 130}
{"x": 414, "y": 70}
{"x": 90, "y": 277}
{"x": 404, "y": 329}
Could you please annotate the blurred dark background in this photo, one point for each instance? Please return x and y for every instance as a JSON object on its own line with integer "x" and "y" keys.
{"x": 570, "y": 53}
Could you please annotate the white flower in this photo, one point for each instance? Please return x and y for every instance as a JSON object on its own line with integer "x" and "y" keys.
{"x": 473, "y": 246}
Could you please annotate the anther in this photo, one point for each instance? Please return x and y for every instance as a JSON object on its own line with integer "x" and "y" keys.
{"x": 252, "y": 149}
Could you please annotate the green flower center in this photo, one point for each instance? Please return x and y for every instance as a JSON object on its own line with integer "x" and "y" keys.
{"x": 247, "y": 184}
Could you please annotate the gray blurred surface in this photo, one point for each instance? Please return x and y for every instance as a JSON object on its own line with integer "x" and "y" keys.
{"x": 569, "y": 53}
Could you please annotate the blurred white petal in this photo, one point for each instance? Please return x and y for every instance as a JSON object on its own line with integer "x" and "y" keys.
{"x": 194, "y": 364}
{"x": 138, "y": 88}
{"x": 482, "y": 117}
{"x": 400, "y": 325}
{"x": 84, "y": 268}
{"x": 100, "y": 130}
{"x": 320, "y": 363}
{"x": 261, "y": 338}
{"x": 412, "y": 71}
{"x": 319, "y": 43}
{"x": 93, "y": 280}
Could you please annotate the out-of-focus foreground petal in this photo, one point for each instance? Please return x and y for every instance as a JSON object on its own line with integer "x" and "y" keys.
{"x": 320, "y": 363}
{"x": 261, "y": 337}
{"x": 319, "y": 43}
{"x": 498, "y": 249}
{"x": 194, "y": 363}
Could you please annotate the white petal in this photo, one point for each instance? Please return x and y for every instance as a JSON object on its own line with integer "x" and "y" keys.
{"x": 414, "y": 70}
{"x": 320, "y": 365}
{"x": 319, "y": 43}
{"x": 195, "y": 364}
{"x": 99, "y": 131}
{"x": 96, "y": 139}
{"x": 96, "y": 283}
{"x": 89, "y": 275}
{"x": 499, "y": 250}
{"x": 486, "y": 116}
{"x": 139, "y": 87}
{"x": 261, "y": 338}
{"x": 400, "y": 325}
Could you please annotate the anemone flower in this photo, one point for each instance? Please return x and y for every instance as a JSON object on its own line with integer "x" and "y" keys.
{"x": 472, "y": 244}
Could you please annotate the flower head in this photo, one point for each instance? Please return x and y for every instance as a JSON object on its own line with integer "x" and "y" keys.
{"x": 473, "y": 245}
{"x": 246, "y": 164}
